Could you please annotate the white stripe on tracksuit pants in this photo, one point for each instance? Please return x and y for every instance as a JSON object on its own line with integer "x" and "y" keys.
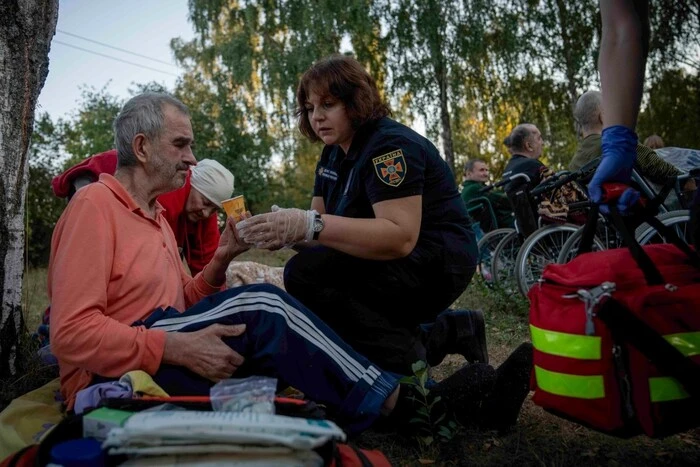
{"x": 285, "y": 340}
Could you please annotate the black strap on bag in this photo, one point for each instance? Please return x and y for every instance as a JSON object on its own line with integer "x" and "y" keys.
{"x": 628, "y": 327}
{"x": 651, "y": 273}
{"x": 589, "y": 229}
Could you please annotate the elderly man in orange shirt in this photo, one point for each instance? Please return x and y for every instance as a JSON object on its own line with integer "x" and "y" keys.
{"x": 118, "y": 291}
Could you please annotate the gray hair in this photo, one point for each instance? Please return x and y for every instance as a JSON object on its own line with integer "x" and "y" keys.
{"x": 469, "y": 166}
{"x": 517, "y": 138}
{"x": 141, "y": 114}
{"x": 587, "y": 111}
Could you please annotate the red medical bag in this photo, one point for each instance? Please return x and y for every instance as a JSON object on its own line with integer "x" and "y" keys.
{"x": 617, "y": 338}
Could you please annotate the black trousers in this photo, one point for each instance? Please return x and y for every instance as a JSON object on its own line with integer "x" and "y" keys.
{"x": 375, "y": 306}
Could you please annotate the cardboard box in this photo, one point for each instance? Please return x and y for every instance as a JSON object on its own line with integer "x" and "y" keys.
{"x": 97, "y": 423}
{"x": 234, "y": 207}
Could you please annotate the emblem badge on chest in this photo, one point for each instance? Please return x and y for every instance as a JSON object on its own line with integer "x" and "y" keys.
{"x": 391, "y": 167}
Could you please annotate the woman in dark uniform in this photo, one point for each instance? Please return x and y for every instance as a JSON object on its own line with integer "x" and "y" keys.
{"x": 387, "y": 244}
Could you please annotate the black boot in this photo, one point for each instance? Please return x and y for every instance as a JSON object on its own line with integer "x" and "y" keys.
{"x": 464, "y": 391}
{"x": 457, "y": 332}
{"x": 500, "y": 409}
{"x": 461, "y": 396}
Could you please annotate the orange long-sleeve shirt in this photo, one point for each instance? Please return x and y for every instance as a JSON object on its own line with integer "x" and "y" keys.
{"x": 111, "y": 264}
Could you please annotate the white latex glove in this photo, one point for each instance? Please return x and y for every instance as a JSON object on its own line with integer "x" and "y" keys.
{"x": 279, "y": 228}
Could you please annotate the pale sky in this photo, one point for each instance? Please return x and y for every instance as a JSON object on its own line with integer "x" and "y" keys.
{"x": 143, "y": 27}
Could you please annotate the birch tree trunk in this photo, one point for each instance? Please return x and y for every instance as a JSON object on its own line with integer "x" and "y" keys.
{"x": 26, "y": 29}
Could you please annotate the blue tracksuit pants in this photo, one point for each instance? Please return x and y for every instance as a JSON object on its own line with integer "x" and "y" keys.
{"x": 283, "y": 339}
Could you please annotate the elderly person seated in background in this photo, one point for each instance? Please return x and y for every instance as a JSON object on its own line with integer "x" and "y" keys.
{"x": 589, "y": 122}
{"x": 525, "y": 144}
{"x": 654, "y": 142}
{"x": 190, "y": 210}
{"x": 476, "y": 174}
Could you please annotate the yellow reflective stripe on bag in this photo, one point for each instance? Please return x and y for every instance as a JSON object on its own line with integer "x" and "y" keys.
{"x": 566, "y": 345}
{"x": 687, "y": 343}
{"x": 665, "y": 388}
{"x": 563, "y": 384}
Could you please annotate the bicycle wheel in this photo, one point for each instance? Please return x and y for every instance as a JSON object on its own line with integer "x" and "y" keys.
{"x": 540, "y": 249}
{"x": 570, "y": 247}
{"x": 487, "y": 245}
{"x": 679, "y": 220}
{"x": 503, "y": 263}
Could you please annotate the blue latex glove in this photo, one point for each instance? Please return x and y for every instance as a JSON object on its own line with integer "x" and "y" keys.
{"x": 619, "y": 147}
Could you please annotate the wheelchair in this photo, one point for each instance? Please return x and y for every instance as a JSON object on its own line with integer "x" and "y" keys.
{"x": 607, "y": 236}
{"x": 482, "y": 212}
{"x": 519, "y": 257}
{"x": 487, "y": 233}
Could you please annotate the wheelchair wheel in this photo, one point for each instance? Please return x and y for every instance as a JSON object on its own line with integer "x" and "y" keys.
{"x": 540, "y": 249}
{"x": 570, "y": 248}
{"x": 679, "y": 220}
{"x": 487, "y": 246}
{"x": 503, "y": 263}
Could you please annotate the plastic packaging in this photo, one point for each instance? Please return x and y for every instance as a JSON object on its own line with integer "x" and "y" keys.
{"x": 254, "y": 394}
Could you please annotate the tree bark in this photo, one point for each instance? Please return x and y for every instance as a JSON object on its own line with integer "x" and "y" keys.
{"x": 447, "y": 146}
{"x": 26, "y": 29}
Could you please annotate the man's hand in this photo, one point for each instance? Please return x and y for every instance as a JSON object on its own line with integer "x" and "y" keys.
{"x": 279, "y": 228}
{"x": 230, "y": 243}
{"x": 230, "y": 246}
{"x": 204, "y": 352}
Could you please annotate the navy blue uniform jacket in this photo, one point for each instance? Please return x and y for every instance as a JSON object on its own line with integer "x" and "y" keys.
{"x": 388, "y": 160}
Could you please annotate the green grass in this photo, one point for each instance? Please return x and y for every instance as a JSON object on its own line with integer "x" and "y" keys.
{"x": 34, "y": 297}
{"x": 31, "y": 372}
{"x": 539, "y": 438}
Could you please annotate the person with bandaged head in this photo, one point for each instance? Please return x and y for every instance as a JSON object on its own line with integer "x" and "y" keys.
{"x": 387, "y": 244}
{"x": 190, "y": 210}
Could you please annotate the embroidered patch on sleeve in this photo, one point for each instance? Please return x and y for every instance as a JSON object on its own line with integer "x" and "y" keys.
{"x": 391, "y": 168}
{"x": 327, "y": 173}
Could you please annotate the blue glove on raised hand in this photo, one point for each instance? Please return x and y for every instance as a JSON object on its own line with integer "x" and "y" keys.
{"x": 619, "y": 148}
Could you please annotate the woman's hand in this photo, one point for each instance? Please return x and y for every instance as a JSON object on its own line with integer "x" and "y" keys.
{"x": 279, "y": 228}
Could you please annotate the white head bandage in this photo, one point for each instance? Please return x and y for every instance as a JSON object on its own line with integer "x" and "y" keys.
{"x": 212, "y": 180}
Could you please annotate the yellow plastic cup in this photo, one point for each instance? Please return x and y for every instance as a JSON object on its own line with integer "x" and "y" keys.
{"x": 234, "y": 207}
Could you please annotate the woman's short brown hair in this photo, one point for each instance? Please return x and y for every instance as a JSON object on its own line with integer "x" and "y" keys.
{"x": 345, "y": 79}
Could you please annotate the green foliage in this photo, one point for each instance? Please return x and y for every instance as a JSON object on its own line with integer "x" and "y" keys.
{"x": 562, "y": 40}
{"x": 673, "y": 110}
{"x": 242, "y": 73}
{"x": 675, "y": 36}
{"x": 90, "y": 130}
{"x": 431, "y": 423}
{"x": 42, "y": 207}
{"x": 438, "y": 55}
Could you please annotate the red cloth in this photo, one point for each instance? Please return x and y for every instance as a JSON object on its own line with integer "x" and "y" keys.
{"x": 198, "y": 240}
